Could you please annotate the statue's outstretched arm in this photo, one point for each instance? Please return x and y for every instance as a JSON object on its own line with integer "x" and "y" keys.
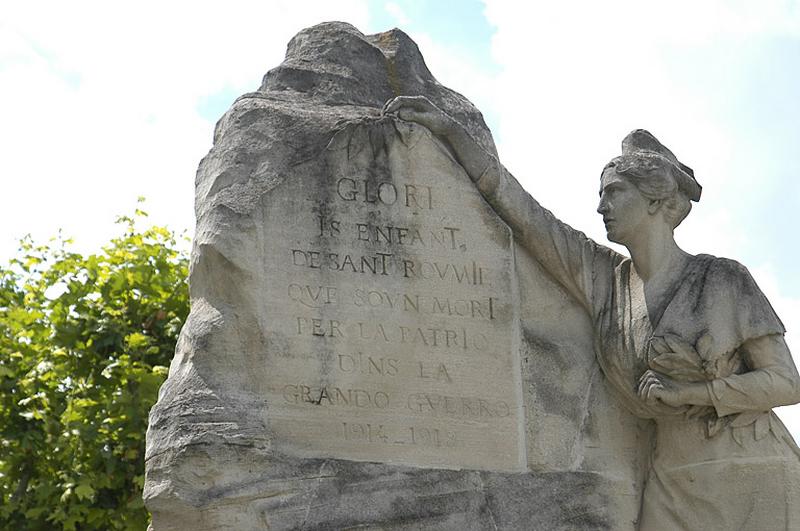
{"x": 574, "y": 260}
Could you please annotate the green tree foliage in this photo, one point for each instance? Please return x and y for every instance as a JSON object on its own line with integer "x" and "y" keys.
{"x": 85, "y": 342}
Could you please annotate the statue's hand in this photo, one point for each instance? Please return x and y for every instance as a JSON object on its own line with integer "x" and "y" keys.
{"x": 655, "y": 387}
{"x": 419, "y": 109}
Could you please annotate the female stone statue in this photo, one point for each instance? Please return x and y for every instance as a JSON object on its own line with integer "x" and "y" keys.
{"x": 688, "y": 341}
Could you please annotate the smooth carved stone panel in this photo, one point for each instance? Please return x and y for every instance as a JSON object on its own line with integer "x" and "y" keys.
{"x": 389, "y": 308}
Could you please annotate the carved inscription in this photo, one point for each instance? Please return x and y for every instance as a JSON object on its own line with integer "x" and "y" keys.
{"x": 387, "y": 264}
{"x": 391, "y": 297}
{"x": 385, "y": 193}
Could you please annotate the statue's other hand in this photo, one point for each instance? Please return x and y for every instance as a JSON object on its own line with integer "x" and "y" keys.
{"x": 655, "y": 387}
{"x": 419, "y": 109}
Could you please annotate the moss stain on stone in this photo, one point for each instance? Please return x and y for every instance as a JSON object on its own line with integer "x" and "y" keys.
{"x": 386, "y": 41}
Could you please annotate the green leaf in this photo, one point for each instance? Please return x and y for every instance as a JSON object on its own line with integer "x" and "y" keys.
{"x": 65, "y": 496}
{"x": 85, "y": 341}
{"x": 136, "y": 340}
{"x": 84, "y": 491}
{"x": 35, "y": 512}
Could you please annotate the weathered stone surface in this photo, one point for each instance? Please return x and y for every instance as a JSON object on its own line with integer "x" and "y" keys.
{"x": 389, "y": 309}
{"x": 475, "y": 404}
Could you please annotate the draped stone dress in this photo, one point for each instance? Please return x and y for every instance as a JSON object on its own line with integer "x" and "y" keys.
{"x": 730, "y": 466}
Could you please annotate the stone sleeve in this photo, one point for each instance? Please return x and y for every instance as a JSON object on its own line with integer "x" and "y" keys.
{"x": 753, "y": 327}
{"x": 574, "y": 260}
{"x": 756, "y": 390}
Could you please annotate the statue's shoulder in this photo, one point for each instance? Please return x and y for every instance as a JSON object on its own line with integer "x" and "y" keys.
{"x": 727, "y": 282}
{"x": 726, "y": 272}
{"x": 724, "y": 292}
{"x": 722, "y": 264}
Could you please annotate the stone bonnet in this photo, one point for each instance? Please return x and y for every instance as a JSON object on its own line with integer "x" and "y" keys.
{"x": 642, "y": 154}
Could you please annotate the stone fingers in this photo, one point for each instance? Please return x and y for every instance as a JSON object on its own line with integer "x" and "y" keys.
{"x": 650, "y": 386}
{"x": 391, "y": 105}
{"x": 417, "y": 103}
{"x": 411, "y": 115}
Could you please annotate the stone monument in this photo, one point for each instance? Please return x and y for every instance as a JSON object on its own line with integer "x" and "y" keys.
{"x": 373, "y": 341}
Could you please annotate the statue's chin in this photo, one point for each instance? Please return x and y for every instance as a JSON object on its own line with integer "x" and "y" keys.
{"x": 614, "y": 238}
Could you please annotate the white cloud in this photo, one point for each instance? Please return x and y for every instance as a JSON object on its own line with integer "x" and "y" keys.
{"x": 397, "y": 12}
{"x": 100, "y": 103}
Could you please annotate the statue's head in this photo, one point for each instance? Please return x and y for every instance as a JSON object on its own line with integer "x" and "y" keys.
{"x": 665, "y": 187}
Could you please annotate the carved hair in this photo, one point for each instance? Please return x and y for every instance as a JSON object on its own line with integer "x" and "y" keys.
{"x": 655, "y": 177}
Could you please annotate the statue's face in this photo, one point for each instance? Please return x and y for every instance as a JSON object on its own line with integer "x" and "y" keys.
{"x": 623, "y": 207}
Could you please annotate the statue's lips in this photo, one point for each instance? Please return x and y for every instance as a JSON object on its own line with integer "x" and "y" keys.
{"x": 608, "y": 221}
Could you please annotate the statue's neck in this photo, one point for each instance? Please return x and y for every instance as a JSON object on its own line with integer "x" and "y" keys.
{"x": 655, "y": 255}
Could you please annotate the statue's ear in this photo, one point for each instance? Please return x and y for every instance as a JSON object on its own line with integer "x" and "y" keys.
{"x": 654, "y": 205}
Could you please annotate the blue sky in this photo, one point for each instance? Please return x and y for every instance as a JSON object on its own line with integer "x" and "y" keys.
{"x": 103, "y": 102}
